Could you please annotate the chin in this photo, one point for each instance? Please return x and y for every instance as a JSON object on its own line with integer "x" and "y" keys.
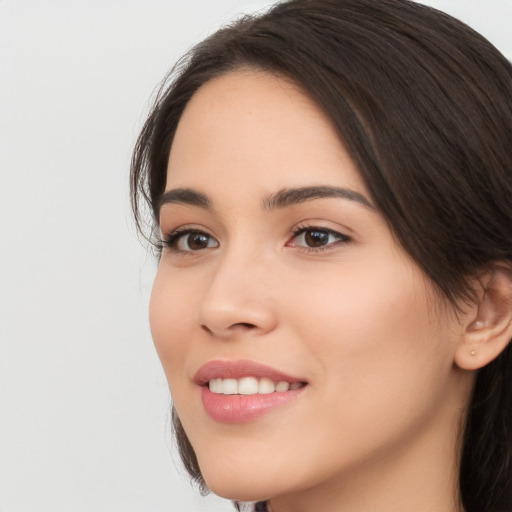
{"x": 241, "y": 483}
{"x": 253, "y": 479}
{"x": 243, "y": 489}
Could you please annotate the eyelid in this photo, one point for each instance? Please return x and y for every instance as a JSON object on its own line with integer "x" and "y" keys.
{"x": 171, "y": 238}
{"x": 342, "y": 238}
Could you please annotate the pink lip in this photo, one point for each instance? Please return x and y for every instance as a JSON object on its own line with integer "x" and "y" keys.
{"x": 227, "y": 369}
{"x": 242, "y": 408}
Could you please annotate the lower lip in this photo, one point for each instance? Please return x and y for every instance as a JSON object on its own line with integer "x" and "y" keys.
{"x": 244, "y": 408}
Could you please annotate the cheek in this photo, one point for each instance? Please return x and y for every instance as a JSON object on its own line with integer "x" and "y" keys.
{"x": 364, "y": 306}
{"x": 169, "y": 310}
{"x": 376, "y": 358}
{"x": 372, "y": 335}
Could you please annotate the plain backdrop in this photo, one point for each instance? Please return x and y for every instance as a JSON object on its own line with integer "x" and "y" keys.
{"x": 83, "y": 400}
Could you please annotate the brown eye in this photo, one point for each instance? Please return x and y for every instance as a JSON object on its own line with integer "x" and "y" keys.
{"x": 316, "y": 238}
{"x": 190, "y": 241}
{"x": 196, "y": 241}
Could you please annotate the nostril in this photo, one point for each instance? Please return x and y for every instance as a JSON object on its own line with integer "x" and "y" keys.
{"x": 244, "y": 325}
{"x": 207, "y": 329}
{"x": 239, "y": 326}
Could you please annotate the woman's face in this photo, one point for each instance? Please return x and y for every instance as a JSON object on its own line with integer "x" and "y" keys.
{"x": 279, "y": 268}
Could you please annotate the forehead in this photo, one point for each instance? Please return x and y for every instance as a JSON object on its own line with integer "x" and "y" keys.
{"x": 260, "y": 129}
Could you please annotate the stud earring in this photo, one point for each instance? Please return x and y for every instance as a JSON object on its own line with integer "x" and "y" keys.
{"x": 479, "y": 324}
{"x": 473, "y": 352}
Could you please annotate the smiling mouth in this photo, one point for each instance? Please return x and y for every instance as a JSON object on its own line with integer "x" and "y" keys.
{"x": 240, "y": 391}
{"x": 251, "y": 386}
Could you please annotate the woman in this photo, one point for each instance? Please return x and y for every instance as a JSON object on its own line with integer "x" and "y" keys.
{"x": 330, "y": 183}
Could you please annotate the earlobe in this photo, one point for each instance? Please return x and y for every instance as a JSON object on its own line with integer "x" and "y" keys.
{"x": 489, "y": 331}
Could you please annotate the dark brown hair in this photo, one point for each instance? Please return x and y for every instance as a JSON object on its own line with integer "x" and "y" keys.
{"x": 424, "y": 106}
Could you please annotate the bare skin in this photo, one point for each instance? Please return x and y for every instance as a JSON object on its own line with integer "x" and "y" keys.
{"x": 316, "y": 288}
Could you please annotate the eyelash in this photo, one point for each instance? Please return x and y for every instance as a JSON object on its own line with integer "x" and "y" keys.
{"x": 300, "y": 230}
{"x": 172, "y": 239}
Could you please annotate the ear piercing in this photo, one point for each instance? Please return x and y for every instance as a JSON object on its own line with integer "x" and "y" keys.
{"x": 473, "y": 352}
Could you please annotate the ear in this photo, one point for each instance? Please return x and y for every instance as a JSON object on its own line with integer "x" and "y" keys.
{"x": 488, "y": 326}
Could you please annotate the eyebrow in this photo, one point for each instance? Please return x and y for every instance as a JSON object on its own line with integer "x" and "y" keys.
{"x": 291, "y": 196}
{"x": 185, "y": 196}
{"x": 281, "y": 199}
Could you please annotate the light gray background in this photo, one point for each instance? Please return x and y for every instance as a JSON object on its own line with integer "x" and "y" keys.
{"x": 83, "y": 400}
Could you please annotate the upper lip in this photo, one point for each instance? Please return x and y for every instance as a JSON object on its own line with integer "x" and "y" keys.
{"x": 236, "y": 369}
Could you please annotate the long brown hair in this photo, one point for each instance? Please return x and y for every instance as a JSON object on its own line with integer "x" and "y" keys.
{"x": 424, "y": 106}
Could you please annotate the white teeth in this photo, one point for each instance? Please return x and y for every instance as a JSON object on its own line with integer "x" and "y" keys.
{"x": 282, "y": 386}
{"x": 230, "y": 386}
{"x": 216, "y": 385}
{"x": 250, "y": 386}
{"x": 266, "y": 386}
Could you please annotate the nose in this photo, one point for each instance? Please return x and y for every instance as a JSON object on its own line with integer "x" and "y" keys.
{"x": 239, "y": 299}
